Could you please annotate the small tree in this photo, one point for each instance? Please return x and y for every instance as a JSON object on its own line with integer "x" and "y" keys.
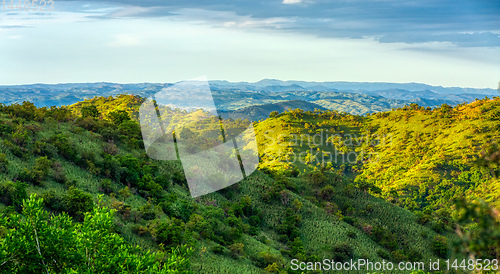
{"x": 77, "y": 202}
{"x": 440, "y": 246}
{"x": 90, "y": 112}
{"x": 118, "y": 116}
{"x": 273, "y": 114}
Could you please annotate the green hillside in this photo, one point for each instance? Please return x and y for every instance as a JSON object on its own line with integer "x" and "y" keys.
{"x": 261, "y": 112}
{"x": 285, "y": 210}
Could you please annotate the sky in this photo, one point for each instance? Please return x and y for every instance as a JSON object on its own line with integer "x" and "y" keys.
{"x": 437, "y": 42}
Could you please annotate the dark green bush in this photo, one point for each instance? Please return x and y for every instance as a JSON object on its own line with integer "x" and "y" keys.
{"x": 77, "y": 202}
{"x": 440, "y": 246}
{"x": 342, "y": 252}
{"x": 4, "y": 163}
{"x": 399, "y": 256}
{"x": 383, "y": 254}
{"x": 13, "y": 193}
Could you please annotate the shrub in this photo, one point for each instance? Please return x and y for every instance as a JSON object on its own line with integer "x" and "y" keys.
{"x": 90, "y": 112}
{"x": 125, "y": 192}
{"x": 38, "y": 173}
{"x": 218, "y": 249}
{"x": 273, "y": 114}
{"x": 118, "y": 116}
{"x": 237, "y": 250}
{"x": 77, "y": 202}
{"x": 384, "y": 237}
{"x": 327, "y": 192}
{"x": 440, "y": 246}
{"x": 4, "y": 163}
{"x": 106, "y": 186}
{"x": 58, "y": 172}
{"x": 254, "y": 221}
{"x": 438, "y": 226}
{"x": 266, "y": 258}
{"x": 422, "y": 218}
{"x": 399, "y": 256}
{"x": 13, "y": 193}
{"x": 53, "y": 200}
{"x": 170, "y": 233}
{"x": 383, "y": 254}
{"x": 342, "y": 252}
{"x": 40, "y": 242}
{"x": 415, "y": 256}
{"x": 139, "y": 229}
{"x": 148, "y": 211}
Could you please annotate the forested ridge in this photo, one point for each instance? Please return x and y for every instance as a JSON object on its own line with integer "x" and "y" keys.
{"x": 79, "y": 177}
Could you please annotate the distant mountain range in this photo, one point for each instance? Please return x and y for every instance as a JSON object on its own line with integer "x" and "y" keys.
{"x": 352, "y": 97}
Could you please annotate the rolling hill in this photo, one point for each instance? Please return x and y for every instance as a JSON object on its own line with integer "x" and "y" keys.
{"x": 293, "y": 207}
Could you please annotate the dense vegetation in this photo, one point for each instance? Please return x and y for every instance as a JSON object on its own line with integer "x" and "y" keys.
{"x": 87, "y": 167}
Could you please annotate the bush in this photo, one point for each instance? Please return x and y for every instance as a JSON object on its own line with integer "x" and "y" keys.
{"x": 218, "y": 249}
{"x": 170, "y": 233}
{"x": 148, "y": 211}
{"x": 266, "y": 258}
{"x": 422, "y": 218}
{"x": 254, "y": 221}
{"x": 327, "y": 192}
{"x": 384, "y": 237}
{"x": 77, "y": 202}
{"x": 237, "y": 250}
{"x": 440, "y": 246}
{"x": 438, "y": 226}
{"x": 58, "y": 172}
{"x": 13, "y": 193}
{"x": 38, "y": 173}
{"x": 399, "y": 256}
{"x": 383, "y": 254}
{"x": 53, "y": 200}
{"x": 125, "y": 192}
{"x": 118, "y": 116}
{"x": 4, "y": 163}
{"x": 106, "y": 186}
{"x": 90, "y": 112}
{"x": 342, "y": 252}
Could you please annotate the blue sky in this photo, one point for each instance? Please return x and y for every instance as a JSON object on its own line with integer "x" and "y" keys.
{"x": 439, "y": 42}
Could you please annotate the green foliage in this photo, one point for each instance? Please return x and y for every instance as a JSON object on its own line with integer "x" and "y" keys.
{"x": 237, "y": 250}
{"x": 479, "y": 229}
{"x": 4, "y": 163}
{"x": 77, "y": 202}
{"x": 118, "y": 117}
{"x": 13, "y": 193}
{"x": 343, "y": 252}
{"x": 440, "y": 246}
{"x": 90, "y": 112}
{"x": 303, "y": 210}
{"x": 170, "y": 233}
{"x": 273, "y": 114}
{"x": 38, "y": 242}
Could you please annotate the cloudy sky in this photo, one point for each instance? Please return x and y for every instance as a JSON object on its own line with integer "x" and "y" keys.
{"x": 438, "y": 42}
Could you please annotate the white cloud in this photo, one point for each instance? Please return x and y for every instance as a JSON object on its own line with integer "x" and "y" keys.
{"x": 292, "y": 1}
